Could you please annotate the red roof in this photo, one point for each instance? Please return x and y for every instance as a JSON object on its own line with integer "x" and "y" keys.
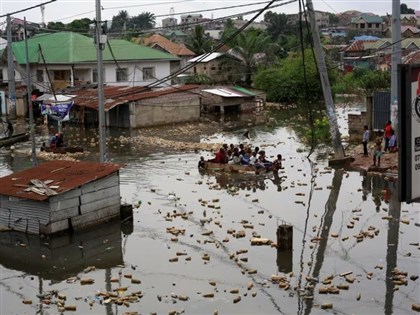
{"x": 166, "y": 44}
{"x": 117, "y": 95}
{"x": 358, "y": 45}
{"x": 412, "y": 58}
{"x": 67, "y": 175}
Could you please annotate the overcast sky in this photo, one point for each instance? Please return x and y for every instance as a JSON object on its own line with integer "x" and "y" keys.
{"x": 68, "y": 10}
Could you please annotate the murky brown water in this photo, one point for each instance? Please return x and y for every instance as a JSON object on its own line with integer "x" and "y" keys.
{"x": 327, "y": 210}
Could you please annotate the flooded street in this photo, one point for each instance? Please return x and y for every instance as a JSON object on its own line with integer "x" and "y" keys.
{"x": 188, "y": 249}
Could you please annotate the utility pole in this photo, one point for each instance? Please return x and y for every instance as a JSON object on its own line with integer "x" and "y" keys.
{"x": 100, "y": 45}
{"x": 10, "y": 71}
{"x": 29, "y": 90}
{"x": 395, "y": 60}
{"x": 325, "y": 82}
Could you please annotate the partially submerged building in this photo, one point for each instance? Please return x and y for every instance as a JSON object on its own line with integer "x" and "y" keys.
{"x": 59, "y": 195}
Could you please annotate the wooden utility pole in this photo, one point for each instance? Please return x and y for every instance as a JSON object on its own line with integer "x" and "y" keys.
{"x": 325, "y": 82}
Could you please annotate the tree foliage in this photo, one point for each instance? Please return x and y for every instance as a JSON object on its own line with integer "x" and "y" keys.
{"x": 406, "y": 10}
{"x": 364, "y": 81}
{"x": 77, "y": 26}
{"x": 286, "y": 83}
{"x": 198, "y": 41}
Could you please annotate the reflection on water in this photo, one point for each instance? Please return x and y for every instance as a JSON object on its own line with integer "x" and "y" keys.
{"x": 164, "y": 183}
{"x": 60, "y": 257}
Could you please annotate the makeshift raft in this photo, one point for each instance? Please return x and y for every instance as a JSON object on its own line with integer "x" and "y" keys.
{"x": 62, "y": 150}
{"x": 235, "y": 168}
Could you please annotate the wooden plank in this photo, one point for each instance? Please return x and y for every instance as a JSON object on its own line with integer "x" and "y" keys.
{"x": 60, "y": 205}
{"x": 108, "y": 181}
{"x": 95, "y": 205}
{"x": 64, "y": 214}
{"x": 43, "y": 187}
{"x": 100, "y": 194}
{"x": 94, "y": 218}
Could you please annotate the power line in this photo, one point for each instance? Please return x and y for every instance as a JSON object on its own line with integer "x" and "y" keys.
{"x": 27, "y": 9}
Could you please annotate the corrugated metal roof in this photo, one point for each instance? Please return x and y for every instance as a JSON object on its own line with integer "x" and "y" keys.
{"x": 229, "y": 92}
{"x": 115, "y": 95}
{"x": 169, "y": 46}
{"x": 206, "y": 57}
{"x": 412, "y": 58}
{"x": 67, "y": 175}
{"x": 69, "y": 48}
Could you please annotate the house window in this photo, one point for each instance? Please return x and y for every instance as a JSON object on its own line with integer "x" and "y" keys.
{"x": 1, "y": 77}
{"x": 377, "y": 25}
{"x": 369, "y": 25}
{"x": 362, "y": 25}
{"x": 148, "y": 73}
{"x": 39, "y": 75}
{"x": 94, "y": 75}
{"x": 122, "y": 74}
{"x": 213, "y": 68}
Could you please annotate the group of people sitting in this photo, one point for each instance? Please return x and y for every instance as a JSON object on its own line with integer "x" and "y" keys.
{"x": 244, "y": 155}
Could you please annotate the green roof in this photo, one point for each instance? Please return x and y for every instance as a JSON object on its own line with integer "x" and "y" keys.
{"x": 368, "y": 18}
{"x": 70, "y": 48}
{"x": 243, "y": 90}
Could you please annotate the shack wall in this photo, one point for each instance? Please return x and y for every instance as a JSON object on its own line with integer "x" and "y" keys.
{"x": 23, "y": 214}
{"x": 180, "y": 107}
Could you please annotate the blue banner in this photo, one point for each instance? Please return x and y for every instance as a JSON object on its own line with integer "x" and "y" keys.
{"x": 57, "y": 111}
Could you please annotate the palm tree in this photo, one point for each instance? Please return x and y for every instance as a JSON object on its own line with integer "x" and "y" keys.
{"x": 198, "y": 42}
{"x": 252, "y": 48}
{"x": 119, "y": 21}
{"x": 277, "y": 24}
{"x": 143, "y": 21}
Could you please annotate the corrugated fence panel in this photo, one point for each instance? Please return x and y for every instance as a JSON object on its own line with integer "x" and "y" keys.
{"x": 24, "y": 215}
{"x": 381, "y": 109}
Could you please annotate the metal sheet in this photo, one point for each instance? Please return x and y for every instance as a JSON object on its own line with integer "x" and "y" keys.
{"x": 381, "y": 109}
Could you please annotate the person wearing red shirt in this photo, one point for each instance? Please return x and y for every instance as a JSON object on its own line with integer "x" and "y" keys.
{"x": 387, "y": 134}
{"x": 220, "y": 156}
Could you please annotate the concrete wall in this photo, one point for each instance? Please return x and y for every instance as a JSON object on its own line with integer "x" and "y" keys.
{"x": 174, "y": 108}
{"x": 356, "y": 123}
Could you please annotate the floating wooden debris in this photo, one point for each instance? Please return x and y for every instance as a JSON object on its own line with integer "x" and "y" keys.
{"x": 261, "y": 241}
{"x": 237, "y": 299}
{"x": 327, "y": 306}
{"x": 87, "y": 281}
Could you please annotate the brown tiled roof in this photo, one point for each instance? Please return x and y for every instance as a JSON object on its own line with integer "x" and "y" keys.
{"x": 412, "y": 58}
{"x": 67, "y": 175}
{"x": 117, "y": 95}
{"x": 166, "y": 44}
{"x": 358, "y": 45}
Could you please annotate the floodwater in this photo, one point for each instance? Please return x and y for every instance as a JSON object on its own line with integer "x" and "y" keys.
{"x": 344, "y": 223}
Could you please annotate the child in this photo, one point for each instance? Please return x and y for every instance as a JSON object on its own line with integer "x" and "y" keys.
{"x": 365, "y": 140}
{"x": 201, "y": 163}
{"x": 378, "y": 152}
{"x": 393, "y": 142}
{"x": 277, "y": 163}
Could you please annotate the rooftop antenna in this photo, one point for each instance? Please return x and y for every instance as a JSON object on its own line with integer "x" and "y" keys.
{"x": 43, "y": 15}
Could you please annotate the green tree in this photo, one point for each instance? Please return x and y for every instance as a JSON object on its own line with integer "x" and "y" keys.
{"x": 143, "y": 21}
{"x": 406, "y": 10}
{"x": 333, "y": 19}
{"x": 286, "y": 83}
{"x": 80, "y": 26}
{"x": 198, "y": 41}
{"x": 368, "y": 81}
{"x": 119, "y": 21}
{"x": 56, "y": 26}
{"x": 278, "y": 24}
{"x": 252, "y": 48}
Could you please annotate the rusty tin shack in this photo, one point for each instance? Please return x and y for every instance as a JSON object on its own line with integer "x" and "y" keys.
{"x": 58, "y": 196}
